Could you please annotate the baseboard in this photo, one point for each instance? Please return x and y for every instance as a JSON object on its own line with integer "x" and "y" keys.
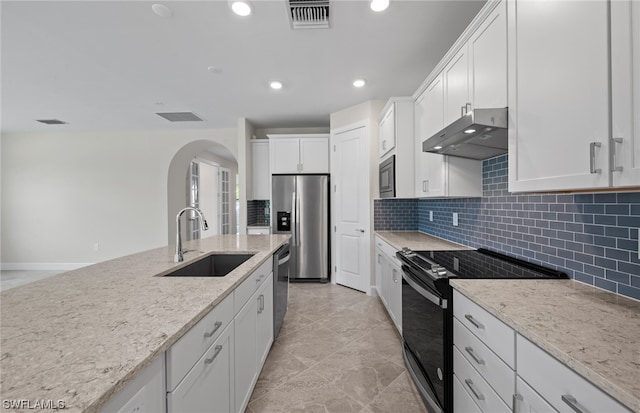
{"x": 374, "y": 291}
{"x": 42, "y": 266}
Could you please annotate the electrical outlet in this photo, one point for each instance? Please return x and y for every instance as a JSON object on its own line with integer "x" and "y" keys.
{"x": 430, "y": 215}
{"x": 455, "y": 219}
{"x": 96, "y": 247}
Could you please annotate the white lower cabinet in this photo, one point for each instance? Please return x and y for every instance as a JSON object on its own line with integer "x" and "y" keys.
{"x": 253, "y": 338}
{"x": 486, "y": 354}
{"x": 209, "y": 384}
{"x": 389, "y": 288}
{"x": 564, "y": 389}
{"x": 526, "y": 400}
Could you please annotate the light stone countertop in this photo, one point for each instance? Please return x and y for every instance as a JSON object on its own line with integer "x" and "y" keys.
{"x": 595, "y": 332}
{"x": 83, "y": 335}
{"x": 417, "y": 241}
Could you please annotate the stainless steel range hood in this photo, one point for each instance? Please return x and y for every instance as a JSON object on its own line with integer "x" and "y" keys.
{"x": 480, "y": 134}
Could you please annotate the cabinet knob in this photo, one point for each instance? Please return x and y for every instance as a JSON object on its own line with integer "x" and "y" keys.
{"x": 614, "y": 149}
{"x": 218, "y": 349}
{"x": 592, "y": 157}
{"x": 216, "y": 326}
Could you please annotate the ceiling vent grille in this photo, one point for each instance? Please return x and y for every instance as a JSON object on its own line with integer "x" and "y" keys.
{"x": 51, "y": 121}
{"x": 309, "y": 14}
{"x": 180, "y": 116}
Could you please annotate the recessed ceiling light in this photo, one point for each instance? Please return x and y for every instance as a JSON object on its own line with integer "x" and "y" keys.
{"x": 241, "y": 8}
{"x": 359, "y": 82}
{"x": 379, "y": 5}
{"x": 214, "y": 69}
{"x": 437, "y": 148}
{"x": 161, "y": 10}
{"x": 469, "y": 131}
{"x": 276, "y": 85}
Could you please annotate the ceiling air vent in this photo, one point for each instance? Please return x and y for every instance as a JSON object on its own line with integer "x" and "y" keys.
{"x": 180, "y": 116}
{"x": 309, "y": 14}
{"x": 51, "y": 121}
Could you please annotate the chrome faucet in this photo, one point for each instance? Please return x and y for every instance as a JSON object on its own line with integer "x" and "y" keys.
{"x": 179, "y": 257}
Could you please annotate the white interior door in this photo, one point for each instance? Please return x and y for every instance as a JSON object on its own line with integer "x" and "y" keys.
{"x": 209, "y": 197}
{"x": 352, "y": 209}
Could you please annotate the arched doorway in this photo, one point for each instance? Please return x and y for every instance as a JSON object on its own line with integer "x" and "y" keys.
{"x": 179, "y": 180}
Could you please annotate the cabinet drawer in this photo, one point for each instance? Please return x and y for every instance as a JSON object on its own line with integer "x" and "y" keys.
{"x": 477, "y": 387}
{"x": 250, "y": 285}
{"x": 462, "y": 402}
{"x": 558, "y": 384}
{"x": 209, "y": 384}
{"x": 494, "y": 333}
{"x": 388, "y": 250}
{"x": 528, "y": 401}
{"x": 495, "y": 371}
{"x": 186, "y": 351}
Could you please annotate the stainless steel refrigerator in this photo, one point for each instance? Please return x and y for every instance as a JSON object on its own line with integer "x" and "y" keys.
{"x": 300, "y": 207}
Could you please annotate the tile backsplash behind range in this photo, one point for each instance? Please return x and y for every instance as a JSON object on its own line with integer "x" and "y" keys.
{"x": 592, "y": 237}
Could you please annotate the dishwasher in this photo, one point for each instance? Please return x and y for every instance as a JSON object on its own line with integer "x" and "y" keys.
{"x": 280, "y": 286}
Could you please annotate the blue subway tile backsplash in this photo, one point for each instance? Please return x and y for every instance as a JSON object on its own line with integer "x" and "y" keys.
{"x": 593, "y": 237}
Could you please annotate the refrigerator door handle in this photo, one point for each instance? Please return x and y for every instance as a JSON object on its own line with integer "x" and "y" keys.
{"x": 298, "y": 209}
{"x": 294, "y": 219}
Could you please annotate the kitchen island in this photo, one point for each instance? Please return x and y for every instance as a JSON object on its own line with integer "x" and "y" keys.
{"x": 81, "y": 336}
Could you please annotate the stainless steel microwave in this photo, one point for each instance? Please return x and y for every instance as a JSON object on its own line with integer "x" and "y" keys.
{"x": 388, "y": 178}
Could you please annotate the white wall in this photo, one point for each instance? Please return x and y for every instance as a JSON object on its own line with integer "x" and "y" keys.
{"x": 62, "y": 193}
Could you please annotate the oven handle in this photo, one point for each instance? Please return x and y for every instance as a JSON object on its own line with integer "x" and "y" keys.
{"x": 442, "y": 303}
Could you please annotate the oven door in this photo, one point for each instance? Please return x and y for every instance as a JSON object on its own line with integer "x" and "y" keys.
{"x": 424, "y": 331}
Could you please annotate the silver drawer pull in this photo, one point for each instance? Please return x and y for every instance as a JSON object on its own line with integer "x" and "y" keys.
{"x": 573, "y": 403}
{"x": 473, "y": 321}
{"x": 475, "y": 392}
{"x": 215, "y": 354}
{"x": 473, "y": 355}
{"x": 517, "y": 398}
{"x": 216, "y": 326}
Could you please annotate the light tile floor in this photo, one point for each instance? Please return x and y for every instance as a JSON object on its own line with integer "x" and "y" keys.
{"x": 14, "y": 278}
{"x": 337, "y": 352}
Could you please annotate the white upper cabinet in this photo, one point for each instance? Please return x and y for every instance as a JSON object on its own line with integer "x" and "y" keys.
{"x": 487, "y": 50}
{"x": 261, "y": 182}
{"x": 559, "y": 135}
{"x": 456, "y": 86}
{"x": 397, "y": 124}
{"x": 293, "y": 154}
{"x": 625, "y": 66}
{"x": 387, "y": 131}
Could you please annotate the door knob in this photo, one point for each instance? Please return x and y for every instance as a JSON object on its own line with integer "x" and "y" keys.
{"x": 360, "y": 230}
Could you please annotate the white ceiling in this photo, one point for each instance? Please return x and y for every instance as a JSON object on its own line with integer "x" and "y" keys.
{"x": 110, "y": 65}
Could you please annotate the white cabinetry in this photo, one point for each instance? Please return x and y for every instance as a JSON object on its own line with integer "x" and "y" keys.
{"x": 563, "y": 100}
{"x": 307, "y": 153}
{"x": 389, "y": 273}
{"x": 209, "y": 384}
{"x": 145, "y": 394}
{"x": 253, "y": 331}
{"x": 625, "y": 66}
{"x": 565, "y": 390}
{"x": 387, "y": 131}
{"x": 486, "y": 353}
{"x": 396, "y": 128}
{"x": 456, "y": 86}
{"x": 261, "y": 182}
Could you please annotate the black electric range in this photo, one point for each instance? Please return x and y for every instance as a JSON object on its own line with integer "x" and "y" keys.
{"x": 427, "y": 311}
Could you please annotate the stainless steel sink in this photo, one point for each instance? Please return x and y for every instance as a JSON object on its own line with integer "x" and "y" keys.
{"x": 214, "y": 265}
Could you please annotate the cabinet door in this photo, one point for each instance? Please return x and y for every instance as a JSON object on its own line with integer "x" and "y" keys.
{"x": 429, "y": 111}
{"x": 209, "y": 385}
{"x": 395, "y": 295}
{"x": 456, "y": 86}
{"x": 558, "y": 95}
{"x": 526, "y": 400}
{"x": 386, "y": 281}
{"x": 387, "y": 138}
{"x": 379, "y": 270}
{"x": 261, "y": 183}
{"x": 625, "y": 77}
{"x": 285, "y": 155}
{"x": 265, "y": 320}
{"x": 314, "y": 155}
{"x": 488, "y": 61}
{"x": 246, "y": 354}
